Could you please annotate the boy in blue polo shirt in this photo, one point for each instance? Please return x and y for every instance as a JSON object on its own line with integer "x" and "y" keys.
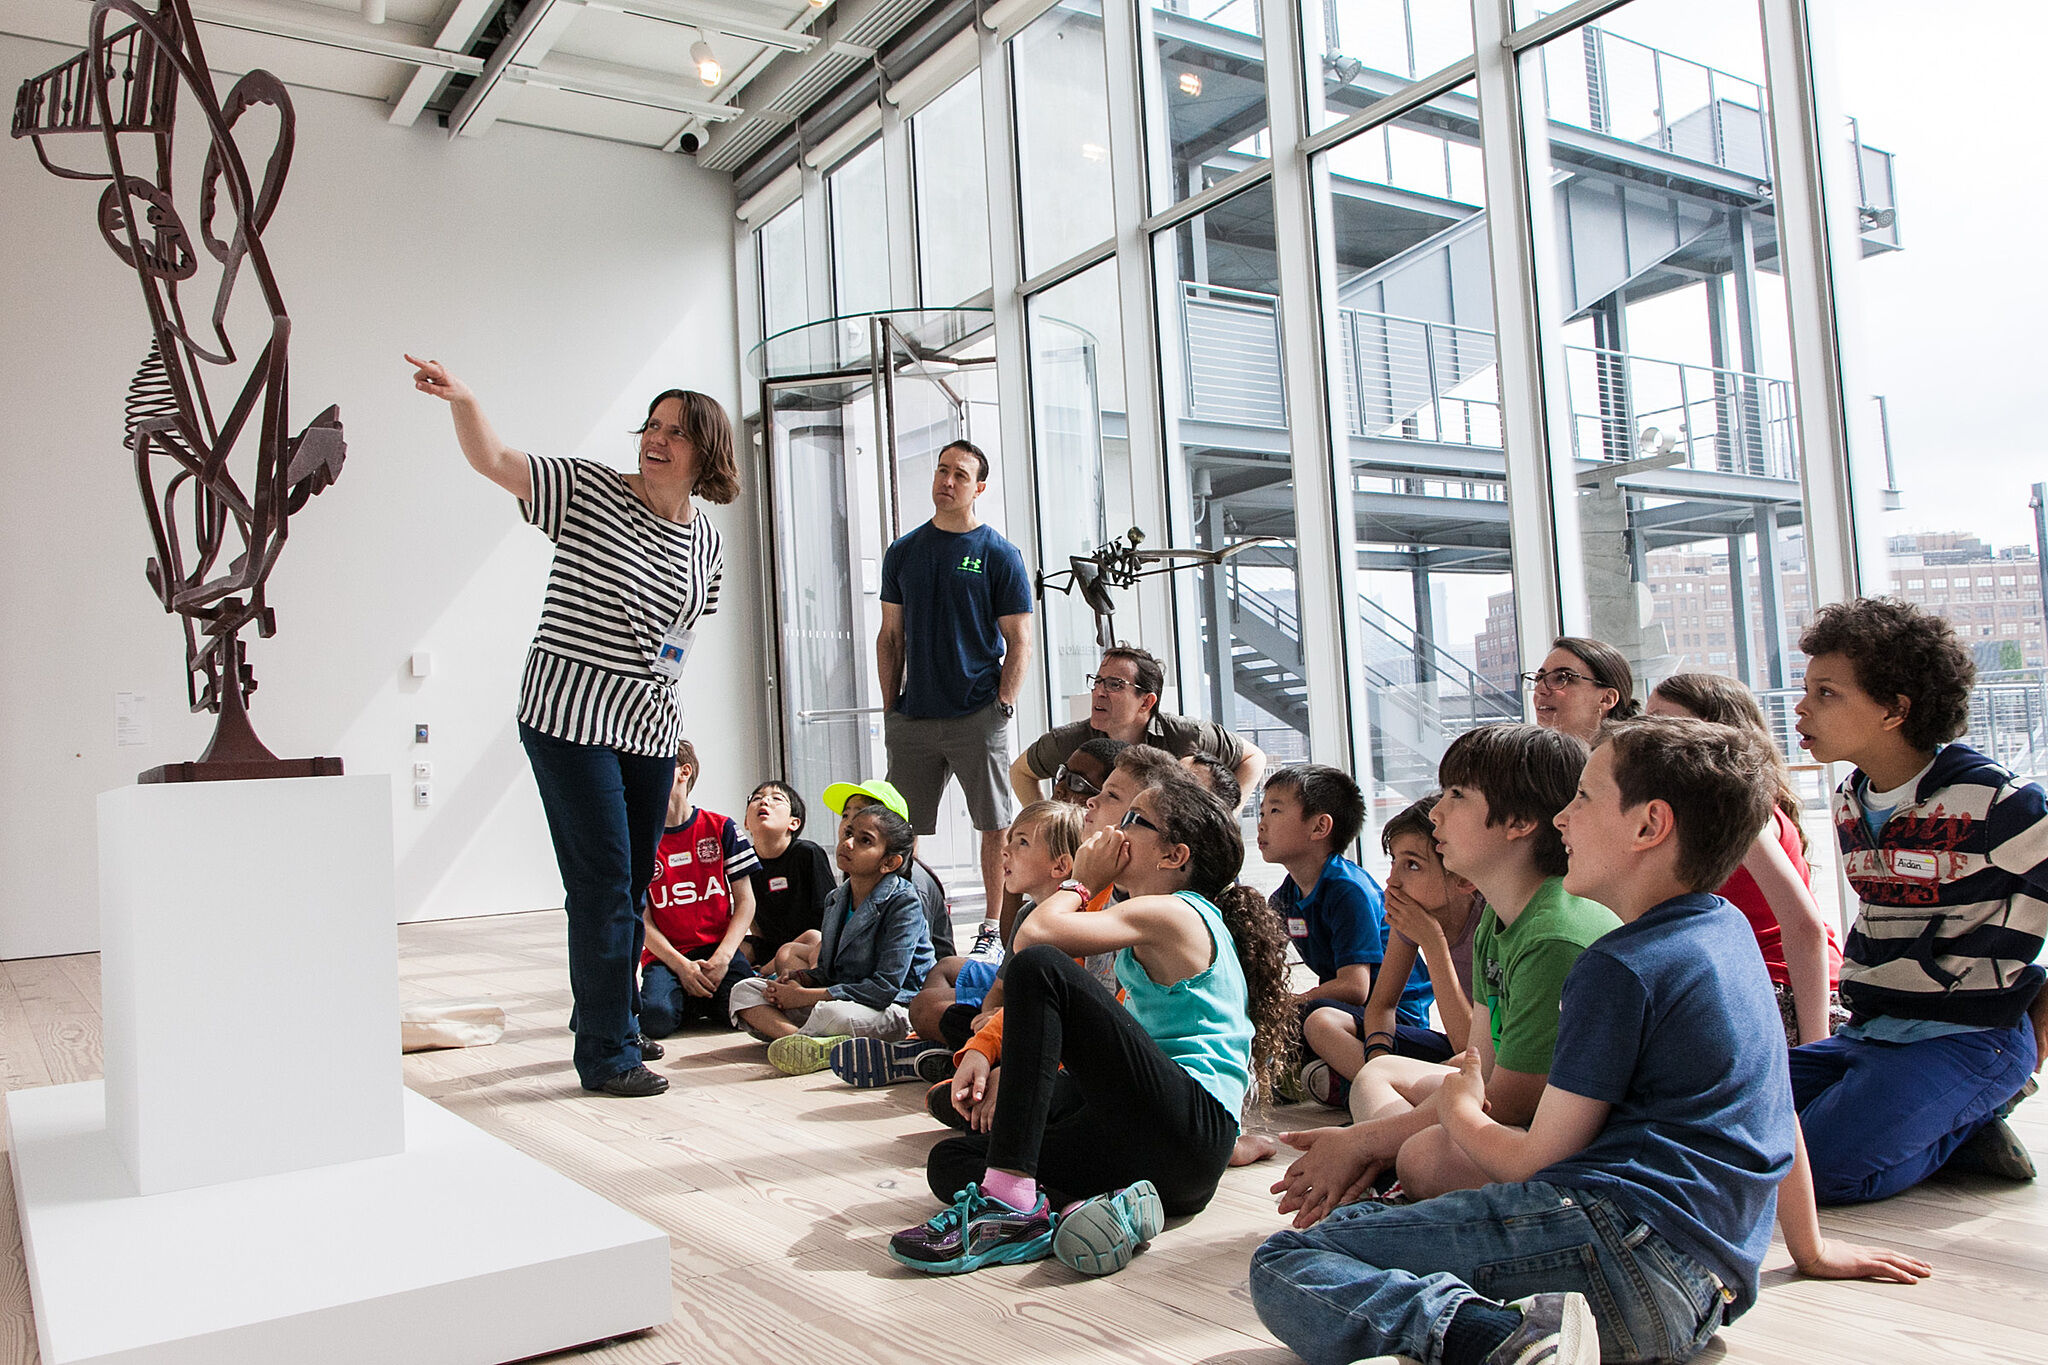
{"x": 1628, "y": 1221}
{"x": 1334, "y": 912}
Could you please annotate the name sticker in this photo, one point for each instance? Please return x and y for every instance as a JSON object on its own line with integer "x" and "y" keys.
{"x": 1297, "y": 928}
{"x": 681, "y": 859}
{"x": 1918, "y": 865}
{"x": 778, "y": 883}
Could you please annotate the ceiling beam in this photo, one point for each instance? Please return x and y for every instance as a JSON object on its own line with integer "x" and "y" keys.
{"x": 461, "y": 28}
{"x": 339, "y": 31}
{"x": 709, "y": 19}
{"x": 539, "y": 28}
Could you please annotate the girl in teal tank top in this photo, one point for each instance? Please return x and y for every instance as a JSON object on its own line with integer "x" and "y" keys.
{"x": 1112, "y": 1116}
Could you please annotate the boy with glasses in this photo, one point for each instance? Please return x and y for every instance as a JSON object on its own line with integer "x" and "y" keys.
{"x": 1123, "y": 704}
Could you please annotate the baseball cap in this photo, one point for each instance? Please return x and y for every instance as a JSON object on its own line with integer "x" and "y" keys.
{"x": 876, "y": 790}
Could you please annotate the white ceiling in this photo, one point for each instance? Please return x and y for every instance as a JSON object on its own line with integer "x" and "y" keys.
{"x": 615, "y": 69}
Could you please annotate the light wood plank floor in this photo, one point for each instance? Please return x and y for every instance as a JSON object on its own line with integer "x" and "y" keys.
{"x": 779, "y": 1193}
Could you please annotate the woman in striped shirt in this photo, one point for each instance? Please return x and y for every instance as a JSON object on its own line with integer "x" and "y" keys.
{"x": 635, "y": 566}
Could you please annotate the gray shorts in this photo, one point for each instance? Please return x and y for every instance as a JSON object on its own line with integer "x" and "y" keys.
{"x": 975, "y": 748}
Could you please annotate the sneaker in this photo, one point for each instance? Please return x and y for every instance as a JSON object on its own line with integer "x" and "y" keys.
{"x": 2032, "y": 1087}
{"x": 1323, "y": 1085}
{"x": 868, "y": 1062}
{"x": 634, "y": 1083}
{"x": 1994, "y": 1149}
{"x": 1099, "y": 1236}
{"x": 799, "y": 1054}
{"x": 938, "y": 1102}
{"x": 935, "y": 1064}
{"x": 977, "y": 1230}
{"x": 650, "y": 1051}
{"x": 988, "y": 942}
{"x": 1557, "y": 1329}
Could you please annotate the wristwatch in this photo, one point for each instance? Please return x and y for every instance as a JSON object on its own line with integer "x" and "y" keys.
{"x": 1007, "y": 709}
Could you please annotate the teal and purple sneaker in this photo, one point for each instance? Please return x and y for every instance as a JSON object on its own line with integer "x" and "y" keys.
{"x": 1099, "y": 1236}
{"x": 977, "y": 1230}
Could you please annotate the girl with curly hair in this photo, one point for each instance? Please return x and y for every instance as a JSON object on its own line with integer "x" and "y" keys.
{"x": 1131, "y": 1110}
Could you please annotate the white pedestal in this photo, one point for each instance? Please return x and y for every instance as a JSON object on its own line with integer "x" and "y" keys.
{"x": 252, "y": 1183}
{"x": 458, "y": 1250}
{"x": 240, "y": 921}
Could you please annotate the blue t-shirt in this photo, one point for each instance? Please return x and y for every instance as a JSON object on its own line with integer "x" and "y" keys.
{"x": 1343, "y": 922}
{"x": 952, "y": 587}
{"x": 1670, "y": 1020}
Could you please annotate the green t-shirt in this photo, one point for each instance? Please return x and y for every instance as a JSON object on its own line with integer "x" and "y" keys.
{"x": 1518, "y": 971}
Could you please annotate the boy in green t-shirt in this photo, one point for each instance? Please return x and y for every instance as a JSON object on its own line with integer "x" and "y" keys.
{"x": 1503, "y": 785}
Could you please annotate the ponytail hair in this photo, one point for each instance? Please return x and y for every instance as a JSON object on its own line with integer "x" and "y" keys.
{"x": 1191, "y": 816}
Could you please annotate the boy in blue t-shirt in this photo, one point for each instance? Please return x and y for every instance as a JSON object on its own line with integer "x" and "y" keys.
{"x": 1630, "y": 1217}
{"x": 1333, "y": 910}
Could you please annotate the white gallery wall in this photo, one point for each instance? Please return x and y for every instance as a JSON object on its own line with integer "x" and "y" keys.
{"x": 567, "y": 279}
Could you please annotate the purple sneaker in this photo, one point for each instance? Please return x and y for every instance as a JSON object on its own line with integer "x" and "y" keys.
{"x": 977, "y": 1230}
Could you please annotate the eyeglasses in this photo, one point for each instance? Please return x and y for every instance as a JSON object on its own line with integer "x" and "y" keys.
{"x": 1556, "y": 680}
{"x": 1102, "y": 682}
{"x": 1132, "y": 817}
{"x": 1074, "y": 782}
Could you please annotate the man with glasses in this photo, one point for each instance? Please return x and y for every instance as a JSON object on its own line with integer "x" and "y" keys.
{"x": 953, "y": 650}
{"x": 1123, "y": 704}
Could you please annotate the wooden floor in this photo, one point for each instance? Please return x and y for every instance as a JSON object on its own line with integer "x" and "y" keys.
{"x": 779, "y": 1194}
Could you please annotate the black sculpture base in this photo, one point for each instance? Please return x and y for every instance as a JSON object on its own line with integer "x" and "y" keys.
{"x": 240, "y": 770}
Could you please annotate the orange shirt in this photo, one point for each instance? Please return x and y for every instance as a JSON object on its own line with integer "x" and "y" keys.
{"x": 988, "y": 1041}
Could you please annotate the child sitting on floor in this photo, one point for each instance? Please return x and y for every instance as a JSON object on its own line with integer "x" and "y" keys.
{"x": 1948, "y": 854}
{"x": 795, "y": 875}
{"x": 1773, "y": 887}
{"x": 700, "y": 909}
{"x": 1628, "y": 1221}
{"x": 1502, "y": 785}
{"x": 872, "y": 955}
{"x": 1131, "y": 1111}
{"x": 1333, "y": 909}
{"x": 1432, "y": 913}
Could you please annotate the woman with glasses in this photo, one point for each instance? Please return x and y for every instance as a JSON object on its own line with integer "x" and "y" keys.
{"x": 1123, "y": 704}
{"x": 1582, "y": 685}
{"x": 1129, "y": 1110}
{"x": 636, "y": 566}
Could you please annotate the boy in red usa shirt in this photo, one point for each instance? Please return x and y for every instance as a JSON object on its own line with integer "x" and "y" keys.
{"x": 700, "y": 907}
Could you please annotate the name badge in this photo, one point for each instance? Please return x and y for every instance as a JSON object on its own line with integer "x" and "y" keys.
{"x": 1297, "y": 928}
{"x": 778, "y": 883}
{"x": 674, "y": 652}
{"x": 1919, "y": 865}
{"x": 679, "y": 859}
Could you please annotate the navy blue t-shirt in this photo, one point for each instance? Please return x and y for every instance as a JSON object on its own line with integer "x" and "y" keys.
{"x": 1343, "y": 922}
{"x": 952, "y": 587}
{"x": 1671, "y": 1020}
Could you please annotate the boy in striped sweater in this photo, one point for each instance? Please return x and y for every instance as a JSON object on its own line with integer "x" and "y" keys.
{"x": 1948, "y": 855}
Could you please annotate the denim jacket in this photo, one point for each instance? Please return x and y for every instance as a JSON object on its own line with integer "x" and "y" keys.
{"x": 879, "y": 954}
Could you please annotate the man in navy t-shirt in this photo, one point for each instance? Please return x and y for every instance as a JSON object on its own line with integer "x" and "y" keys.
{"x": 954, "y": 646}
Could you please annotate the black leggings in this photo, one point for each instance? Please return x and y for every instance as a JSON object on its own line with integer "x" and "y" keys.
{"x": 1121, "y": 1111}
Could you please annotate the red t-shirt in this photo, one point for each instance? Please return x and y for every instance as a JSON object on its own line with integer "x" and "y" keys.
{"x": 1742, "y": 891}
{"x": 691, "y": 894}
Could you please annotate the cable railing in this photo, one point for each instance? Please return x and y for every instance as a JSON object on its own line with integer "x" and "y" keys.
{"x": 1723, "y": 420}
{"x": 1416, "y": 380}
{"x": 2008, "y": 719}
{"x": 1609, "y": 84}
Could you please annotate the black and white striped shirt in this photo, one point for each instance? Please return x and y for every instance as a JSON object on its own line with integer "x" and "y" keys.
{"x": 621, "y": 577}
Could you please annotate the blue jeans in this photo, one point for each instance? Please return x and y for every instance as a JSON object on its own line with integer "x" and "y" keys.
{"x": 1373, "y": 1279}
{"x": 1882, "y": 1117}
{"x": 665, "y": 1006}
{"x": 605, "y": 811}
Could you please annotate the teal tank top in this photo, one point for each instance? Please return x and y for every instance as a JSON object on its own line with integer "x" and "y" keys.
{"x": 1202, "y": 1022}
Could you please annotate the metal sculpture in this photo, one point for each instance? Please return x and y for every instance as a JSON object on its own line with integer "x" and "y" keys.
{"x": 1120, "y": 563}
{"x": 217, "y": 539}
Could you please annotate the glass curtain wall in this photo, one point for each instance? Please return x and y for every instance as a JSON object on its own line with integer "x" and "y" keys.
{"x": 1225, "y": 422}
{"x": 1062, "y": 122}
{"x": 1372, "y": 48}
{"x": 785, "y": 281}
{"x": 1414, "y": 394}
{"x": 858, "y": 194}
{"x": 1672, "y": 309}
{"x": 1205, "y": 93}
{"x": 952, "y": 196}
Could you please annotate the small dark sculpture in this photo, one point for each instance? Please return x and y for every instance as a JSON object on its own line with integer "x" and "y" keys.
{"x": 126, "y": 85}
{"x": 1120, "y": 563}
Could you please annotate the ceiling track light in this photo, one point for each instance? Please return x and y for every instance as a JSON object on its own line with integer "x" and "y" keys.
{"x": 708, "y": 69}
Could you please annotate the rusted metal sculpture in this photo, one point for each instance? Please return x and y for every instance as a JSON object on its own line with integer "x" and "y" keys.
{"x": 217, "y": 539}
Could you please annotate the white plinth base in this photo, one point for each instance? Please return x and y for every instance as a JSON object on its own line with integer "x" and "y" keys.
{"x": 459, "y": 1250}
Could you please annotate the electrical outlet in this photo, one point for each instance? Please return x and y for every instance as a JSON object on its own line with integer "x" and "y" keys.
{"x": 422, "y": 795}
{"x": 423, "y": 772}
